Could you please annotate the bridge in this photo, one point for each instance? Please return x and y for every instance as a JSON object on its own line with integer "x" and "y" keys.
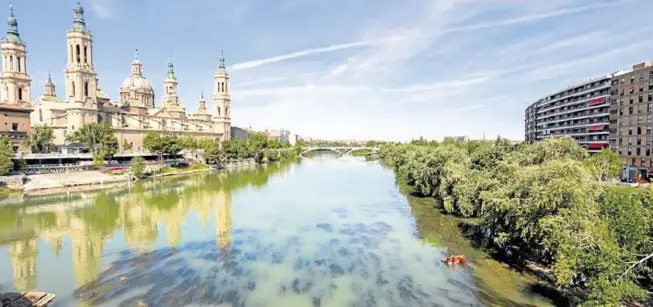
{"x": 342, "y": 151}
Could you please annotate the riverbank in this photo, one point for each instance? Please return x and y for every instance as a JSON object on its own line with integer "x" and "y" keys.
{"x": 44, "y": 184}
{"x": 499, "y": 283}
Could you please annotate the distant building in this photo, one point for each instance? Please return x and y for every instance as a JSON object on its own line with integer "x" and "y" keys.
{"x": 281, "y": 135}
{"x": 462, "y": 138}
{"x": 631, "y": 117}
{"x": 580, "y": 111}
{"x": 239, "y": 133}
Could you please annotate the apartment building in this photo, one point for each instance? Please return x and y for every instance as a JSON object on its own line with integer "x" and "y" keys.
{"x": 631, "y": 117}
{"x": 581, "y": 111}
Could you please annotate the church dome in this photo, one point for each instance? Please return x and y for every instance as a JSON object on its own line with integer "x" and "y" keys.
{"x": 136, "y": 82}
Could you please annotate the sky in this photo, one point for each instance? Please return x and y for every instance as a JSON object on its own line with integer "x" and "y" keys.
{"x": 352, "y": 69}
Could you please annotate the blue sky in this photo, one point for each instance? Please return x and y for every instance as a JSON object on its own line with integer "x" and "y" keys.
{"x": 353, "y": 69}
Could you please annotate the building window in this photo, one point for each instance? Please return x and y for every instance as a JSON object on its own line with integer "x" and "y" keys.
{"x": 14, "y": 127}
{"x": 73, "y": 88}
{"x": 226, "y": 111}
{"x": 86, "y": 89}
{"x": 20, "y": 94}
{"x": 77, "y": 53}
{"x": 639, "y": 130}
{"x": 11, "y": 63}
{"x": 40, "y": 115}
{"x": 18, "y": 63}
{"x": 85, "y": 55}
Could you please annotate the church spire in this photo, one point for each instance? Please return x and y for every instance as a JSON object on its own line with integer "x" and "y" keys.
{"x": 202, "y": 102}
{"x": 12, "y": 29}
{"x": 49, "y": 87}
{"x": 171, "y": 68}
{"x": 221, "y": 67}
{"x": 79, "y": 24}
{"x": 136, "y": 65}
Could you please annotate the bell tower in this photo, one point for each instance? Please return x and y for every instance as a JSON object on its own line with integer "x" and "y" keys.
{"x": 222, "y": 99}
{"x": 81, "y": 78}
{"x": 15, "y": 83}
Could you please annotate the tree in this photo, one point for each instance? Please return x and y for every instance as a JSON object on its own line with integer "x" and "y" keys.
{"x": 213, "y": 154}
{"x": 604, "y": 165}
{"x": 171, "y": 144}
{"x": 109, "y": 145}
{"x": 40, "y": 138}
{"x": 6, "y": 154}
{"x": 138, "y": 167}
{"x": 257, "y": 140}
{"x": 152, "y": 142}
{"x": 98, "y": 137}
{"x": 126, "y": 145}
{"x": 98, "y": 160}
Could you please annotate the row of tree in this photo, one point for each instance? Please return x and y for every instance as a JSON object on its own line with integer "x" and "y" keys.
{"x": 103, "y": 144}
{"x": 543, "y": 203}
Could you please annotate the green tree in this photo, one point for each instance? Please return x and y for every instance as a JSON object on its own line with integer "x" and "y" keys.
{"x": 98, "y": 137}
{"x": 542, "y": 203}
{"x": 40, "y": 138}
{"x": 605, "y": 165}
{"x": 171, "y": 145}
{"x": 257, "y": 141}
{"x": 137, "y": 167}
{"x": 213, "y": 154}
{"x": 153, "y": 143}
{"x": 126, "y": 145}
{"x": 6, "y": 155}
{"x": 98, "y": 160}
{"x": 109, "y": 145}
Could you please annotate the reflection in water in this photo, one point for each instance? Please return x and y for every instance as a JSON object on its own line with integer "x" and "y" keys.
{"x": 326, "y": 232}
{"x": 89, "y": 220}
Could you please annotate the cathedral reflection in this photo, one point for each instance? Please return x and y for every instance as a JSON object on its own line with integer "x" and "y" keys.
{"x": 90, "y": 219}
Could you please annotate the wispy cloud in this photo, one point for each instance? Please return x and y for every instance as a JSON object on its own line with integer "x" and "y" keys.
{"x": 407, "y": 35}
{"x": 537, "y": 17}
{"x": 306, "y": 52}
{"x": 437, "y": 74}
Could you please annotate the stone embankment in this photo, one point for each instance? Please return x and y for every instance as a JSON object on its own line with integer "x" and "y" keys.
{"x": 56, "y": 182}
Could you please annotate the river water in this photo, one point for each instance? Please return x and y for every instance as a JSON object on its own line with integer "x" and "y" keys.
{"x": 323, "y": 232}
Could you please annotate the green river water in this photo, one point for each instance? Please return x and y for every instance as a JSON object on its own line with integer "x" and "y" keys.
{"x": 321, "y": 232}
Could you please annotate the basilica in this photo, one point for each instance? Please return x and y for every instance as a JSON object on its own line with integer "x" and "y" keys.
{"x": 132, "y": 115}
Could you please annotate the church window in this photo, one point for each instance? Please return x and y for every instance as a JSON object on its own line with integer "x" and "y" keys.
{"x": 85, "y": 55}
{"x": 226, "y": 111}
{"x": 20, "y": 94}
{"x": 222, "y": 86}
{"x": 11, "y": 63}
{"x": 73, "y": 88}
{"x": 86, "y": 89}
{"x": 18, "y": 63}
{"x": 77, "y": 53}
{"x": 99, "y": 118}
{"x": 40, "y": 115}
{"x": 71, "y": 55}
{"x": 218, "y": 111}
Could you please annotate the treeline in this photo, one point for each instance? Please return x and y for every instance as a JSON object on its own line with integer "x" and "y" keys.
{"x": 545, "y": 204}
{"x": 103, "y": 144}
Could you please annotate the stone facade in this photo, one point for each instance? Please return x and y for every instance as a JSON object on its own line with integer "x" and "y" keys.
{"x": 15, "y": 87}
{"x": 135, "y": 112}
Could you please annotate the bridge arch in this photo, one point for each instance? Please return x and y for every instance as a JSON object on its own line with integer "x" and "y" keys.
{"x": 340, "y": 150}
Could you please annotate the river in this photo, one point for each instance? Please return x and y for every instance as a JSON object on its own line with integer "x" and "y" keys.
{"x": 322, "y": 232}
